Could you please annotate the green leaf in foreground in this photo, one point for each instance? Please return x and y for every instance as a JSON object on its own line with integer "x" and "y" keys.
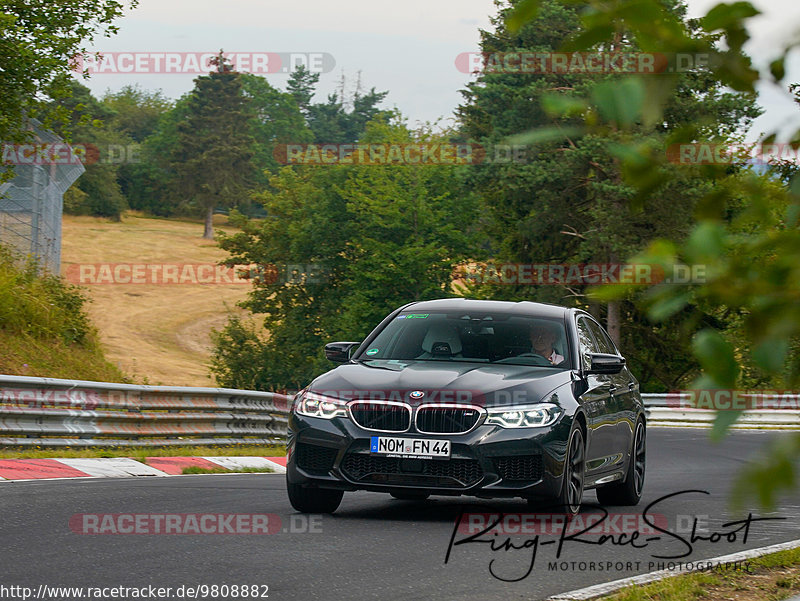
{"x": 716, "y": 357}
{"x": 543, "y": 135}
{"x": 620, "y": 102}
{"x": 770, "y": 475}
{"x": 521, "y": 14}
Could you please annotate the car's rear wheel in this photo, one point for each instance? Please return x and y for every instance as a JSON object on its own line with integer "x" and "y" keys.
{"x": 628, "y": 492}
{"x": 574, "y": 474}
{"x": 314, "y": 500}
{"x": 410, "y": 496}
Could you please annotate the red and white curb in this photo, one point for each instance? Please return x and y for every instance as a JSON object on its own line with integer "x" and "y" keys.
{"x": 123, "y": 467}
{"x": 607, "y": 588}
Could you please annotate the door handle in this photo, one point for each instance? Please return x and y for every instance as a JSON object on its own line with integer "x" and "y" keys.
{"x": 631, "y": 386}
{"x": 612, "y": 390}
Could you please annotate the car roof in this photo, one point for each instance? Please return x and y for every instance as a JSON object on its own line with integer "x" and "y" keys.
{"x": 466, "y": 304}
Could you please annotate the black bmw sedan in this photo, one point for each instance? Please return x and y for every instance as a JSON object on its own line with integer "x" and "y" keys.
{"x": 470, "y": 397}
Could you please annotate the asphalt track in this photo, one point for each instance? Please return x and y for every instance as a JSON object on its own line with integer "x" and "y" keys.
{"x": 373, "y": 547}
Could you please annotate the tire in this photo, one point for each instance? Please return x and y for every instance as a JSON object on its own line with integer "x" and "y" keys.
{"x": 314, "y": 500}
{"x": 629, "y": 492}
{"x": 574, "y": 474}
{"x": 410, "y": 496}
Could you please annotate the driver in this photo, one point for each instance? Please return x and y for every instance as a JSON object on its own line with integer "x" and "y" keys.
{"x": 542, "y": 337}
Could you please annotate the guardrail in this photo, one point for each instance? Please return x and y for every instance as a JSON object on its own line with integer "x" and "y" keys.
{"x": 48, "y": 412}
{"x": 667, "y": 410}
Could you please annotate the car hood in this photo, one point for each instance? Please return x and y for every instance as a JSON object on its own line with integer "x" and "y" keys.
{"x": 441, "y": 382}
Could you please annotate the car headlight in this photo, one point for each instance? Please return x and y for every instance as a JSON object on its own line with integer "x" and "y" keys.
{"x": 318, "y": 405}
{"x": 524, "y": 416}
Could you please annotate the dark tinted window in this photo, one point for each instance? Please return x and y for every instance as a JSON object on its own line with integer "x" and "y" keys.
{"x": 478, "y": 337}
{"x": 603, "y": 340}
{"x": 585, "y": 342}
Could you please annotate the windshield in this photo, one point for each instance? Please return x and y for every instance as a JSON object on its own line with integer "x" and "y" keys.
{"x": 473, "y": 337}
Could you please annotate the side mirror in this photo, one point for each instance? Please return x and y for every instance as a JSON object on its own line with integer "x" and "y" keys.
{"x": 604, "y": 363}
{"x": 339, "y": 352}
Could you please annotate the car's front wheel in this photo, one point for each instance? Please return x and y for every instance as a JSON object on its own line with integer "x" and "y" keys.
{"x": 574, "y": 473}
{"x": 314, "y": 500}
{"x": 628, "y": 492}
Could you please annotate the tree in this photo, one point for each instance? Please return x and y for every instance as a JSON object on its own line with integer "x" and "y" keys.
{"x": 370, "y": 237}
{"x": 746, "y": 228}
{"x": 214, "y": 144}
{"x": 569, "y": 202}
{"x": 89, "y": 122}
{"x": 136, "y": 112}
{"x": 276, "y": 120}
{"x": 333, "y": 123}
{"x": 328, "y": 121}
{"x": 301, "y": 87}
{"x": 150, "y": 183}
{"x": 788, "y": 168}
{"x": 365, "y": 109}
{"x": 38, "y": 45}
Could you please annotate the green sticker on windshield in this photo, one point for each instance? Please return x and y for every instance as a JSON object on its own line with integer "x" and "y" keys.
{"x": 373, "y": 351}
{"x": 417, "y": 315}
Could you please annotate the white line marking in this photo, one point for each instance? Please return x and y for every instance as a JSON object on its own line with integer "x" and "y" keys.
{"x": 111, "y": 467}
{"x": 234, "y": 462}
{"x": 277, "y": 467}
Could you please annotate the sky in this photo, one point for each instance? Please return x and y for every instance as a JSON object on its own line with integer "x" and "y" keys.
{"x": 408, "y": 48}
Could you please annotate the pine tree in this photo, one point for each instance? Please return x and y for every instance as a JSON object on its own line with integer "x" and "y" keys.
{"x": 301, "y": 87}
{"x": 569, "y": 203}
{"x": 215, "y": 145}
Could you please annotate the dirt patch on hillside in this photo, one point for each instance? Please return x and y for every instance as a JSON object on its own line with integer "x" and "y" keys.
{"x": 154, "y": 331}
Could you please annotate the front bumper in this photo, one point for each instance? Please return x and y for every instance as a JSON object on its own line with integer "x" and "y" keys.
{"x": 490, "y": 461}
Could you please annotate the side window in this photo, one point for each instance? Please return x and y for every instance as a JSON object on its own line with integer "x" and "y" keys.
{"x": 603, "y": 340}
{"x": 586, "y": 342}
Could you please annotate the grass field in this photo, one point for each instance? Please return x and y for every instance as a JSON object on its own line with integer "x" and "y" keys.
{"x": 28, "y": 356}
{"x": 154, "y": 333}
{"x": 768, "y": 578}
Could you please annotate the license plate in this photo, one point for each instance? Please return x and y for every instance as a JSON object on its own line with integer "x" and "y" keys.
{"x": 410, "y": 448}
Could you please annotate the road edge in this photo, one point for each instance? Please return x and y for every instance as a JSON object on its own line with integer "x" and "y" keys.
{"x": 25, "y": 470}
{"x": 606, "y": 588}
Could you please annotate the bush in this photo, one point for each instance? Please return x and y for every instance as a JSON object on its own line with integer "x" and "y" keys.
{"x": 40, "y": 305}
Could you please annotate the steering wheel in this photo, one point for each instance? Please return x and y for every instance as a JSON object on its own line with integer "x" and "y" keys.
{"x": 534, "y": 355}
{"x": 545, "y": 360}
